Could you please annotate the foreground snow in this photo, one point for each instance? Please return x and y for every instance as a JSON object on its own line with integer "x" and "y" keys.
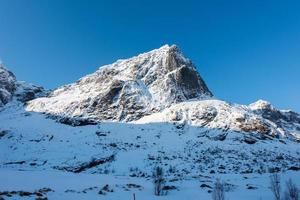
{"x": 38, "y": 152}
{"x": 86, "y": 186}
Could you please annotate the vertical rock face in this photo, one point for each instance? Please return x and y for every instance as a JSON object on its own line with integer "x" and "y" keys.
{"x": 128, "y": 89}
{"x": 7, "y": 85}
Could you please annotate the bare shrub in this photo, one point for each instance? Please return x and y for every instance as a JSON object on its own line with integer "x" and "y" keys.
{"x": 159, "y": 181}
{"x": 292, "y": 192}
{"x": 218, "y": 192}
{"x": 275, "y": 186}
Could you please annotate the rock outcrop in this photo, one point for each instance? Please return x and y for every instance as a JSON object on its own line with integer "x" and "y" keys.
{"x": 286, "y": 121}
{"x": 10, "y": 88}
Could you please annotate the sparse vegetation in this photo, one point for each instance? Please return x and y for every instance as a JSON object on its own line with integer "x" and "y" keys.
{"x": 159, "y": 181}
{"x": 275, "y": 186}
{"x": 291, "y": 192}
{"x": 218, "y": 192}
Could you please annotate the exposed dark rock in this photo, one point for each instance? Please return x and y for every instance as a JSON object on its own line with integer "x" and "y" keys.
{"x": 169, "y": 187}
{"x": 101, "y": 134}
{"x": 15, "y": 163}
{"x": 205, "y": 186}
{"x": 294, "y": 168}
{"x": 41, "y": 198}
{"x": 249, "y": 140}
{"x": 105, "y": 189}
{"x": 3, "y": 133}
{"x": 251, "y": 187}
{"x": 132, "y": 185}
{"x": 38, "y": 193}
{"x": 279, "y": 157}
{"x": 24, "y": 193}
{"x": 75, "y": 121}
{"x": 89, "y": 189}
{"x": 87, "y": 165}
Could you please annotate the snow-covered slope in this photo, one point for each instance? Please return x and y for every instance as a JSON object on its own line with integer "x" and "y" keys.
{"x": 124, "y": 154}
{"x": 127, "y": 89}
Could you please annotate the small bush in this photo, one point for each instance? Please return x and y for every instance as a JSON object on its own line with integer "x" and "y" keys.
{"x": 275, "y": 186}
{"x": 158, "y": 181}
{"x": 292, "y": 192}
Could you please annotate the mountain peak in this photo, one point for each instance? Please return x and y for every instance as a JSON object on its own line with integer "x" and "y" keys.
{"x": 128, "y": 89}
{"x": 167, "y": 47}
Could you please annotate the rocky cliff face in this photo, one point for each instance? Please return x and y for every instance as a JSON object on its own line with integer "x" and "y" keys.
{"x": 11, "y": 88}
{"x": 127, "y": 89}
{"x": 7, "y": 85}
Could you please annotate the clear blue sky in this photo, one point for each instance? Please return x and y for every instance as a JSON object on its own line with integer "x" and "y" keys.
{"x": 244, "y": 50}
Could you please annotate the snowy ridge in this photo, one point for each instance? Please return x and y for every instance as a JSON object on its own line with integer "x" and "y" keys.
{"x": 216, "y": 114}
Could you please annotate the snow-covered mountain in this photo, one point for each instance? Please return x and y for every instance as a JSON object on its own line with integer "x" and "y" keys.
{"x": 150, "y": 110}
{"x": 127, "y": 89}
{"x": 159, "y": 86}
